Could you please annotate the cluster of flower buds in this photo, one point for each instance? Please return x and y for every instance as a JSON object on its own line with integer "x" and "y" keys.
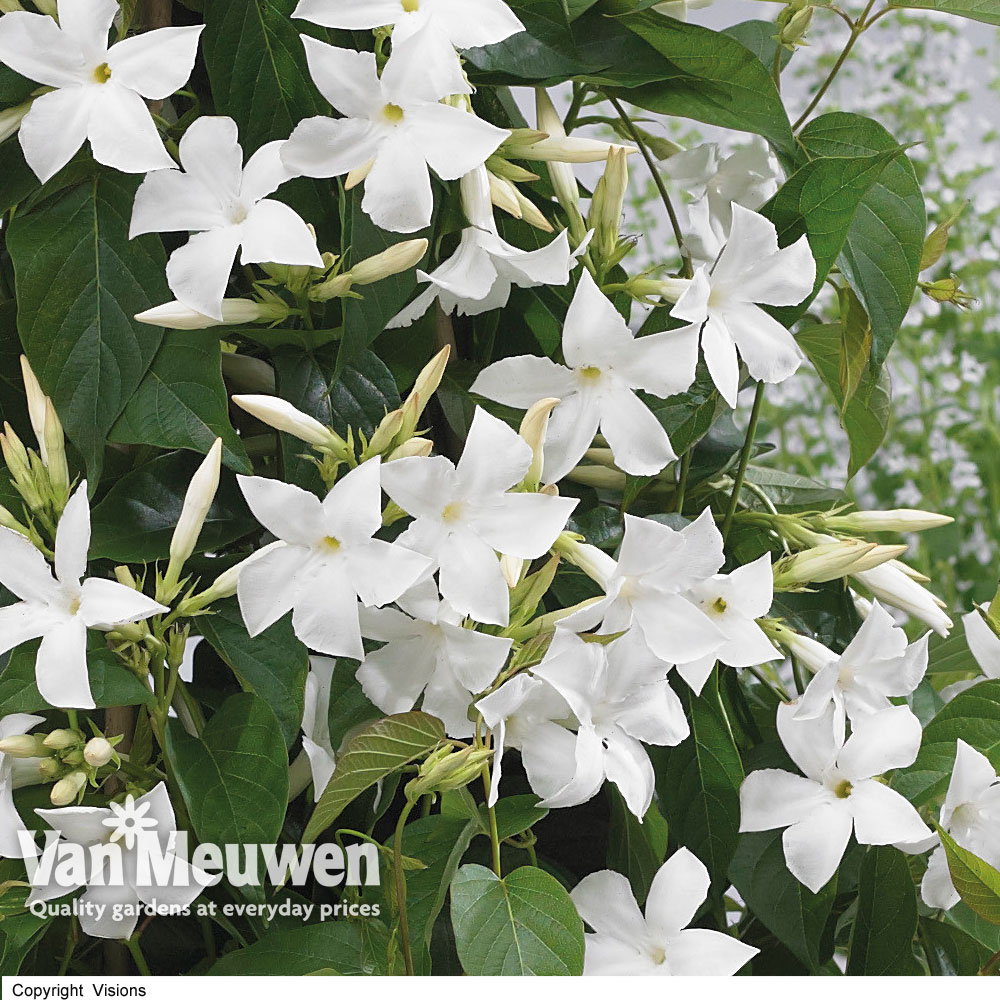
{"x": 41, "y": 477}
{"x": 340, "y": 284}
{"x": 792, "y": 24}
{"x": 607, "y": 247}
{"x": 447, "y": 769}
{"x": 947, "y": 290}
{"x": 66, "y": 759}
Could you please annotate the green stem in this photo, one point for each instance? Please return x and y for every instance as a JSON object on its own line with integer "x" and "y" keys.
{"x": 137, "y": 956}
{"x": 776, "y": 68}
{"x": 686, "y": 270}
{"x": 741, "y": 470}
{"x": 494, "y": 833}
{"x": 682, "y": 482}
{"x": 400, "y": 879}
{"x": 71, "y": 716}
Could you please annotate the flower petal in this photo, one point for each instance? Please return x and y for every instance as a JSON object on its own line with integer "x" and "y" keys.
{"x": 170, "y": 201}
{"x": 106, "y": 603}
{"x": 883, "y": 816}
{"x": 677, "y": 891}
{"x": 815, "y": 846}
{"x": 984, "y": 644}
{"x": 380, "y": 571}
{"x": 34, "y": 46}
{"x": 662, "y": 363}
{"x": 352, "y": 510}
{"x": 274, "y": 232}
{"x": 674, "y": 628}
{"x": 720, "y": 356}
{"x": 638, "y": 442}
{"x": 23, "y": 569}
{"x": 325, "y": 147}
{"x": 524, "y": 525}
{"x": 475, "y": 658}
{"x": 73, "y": 538}
{"x": 61, "y": 667}
{"x": 627, "y": 765}
{"x": 937, "y": 888}
{"x": 570, "y": 432}
{"x": 594, "y": 332}
{"x": 453, "y": 142}
{"x": 494, "y": 459}
{"x": 123, "y": 134}
{"x": 155, "y": 63}
{"x": 971, "y": 775}
{"x": 588, "y": 772}
{"x": 475, "y": 23}
{"x": 752, "y": 240}
{"x": 88, "y": 22}
{"x": 54, "y": 128}
{"x": 350, "y": 14}
{"x": 286, "y": 510}
{"x": 813, "y": 744}
{"x": 523, "y": 381}
{"x": 702, "y": 952}
{"x": 264, "y": 172}
{"x": 881, "y": 742}
{"x": 398, "y": 194}
{"x": 210, "y": 152}
{"x": 421, "y": 486}
{"x": 606, "y": 902}
{"x": 325, "y": 616}
{"x": 767, "y": 348}
{"x": 198, "y": 272}
{"x": 471, "y": 580}
{"x": 347, "y": 79}
{"x": 771, "y": 798}
{"x": 393, "y": 677}
{"x": 267, "y": 587}
{"x": 654, "y": 714}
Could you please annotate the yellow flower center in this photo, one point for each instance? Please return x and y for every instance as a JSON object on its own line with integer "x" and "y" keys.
{"x": 658, "y": 955}
{"x": 331, "y": 543}
{"x": 719, "y": 606}
{"x": 591, "y": 372}
{"x": 411, "y": 5}
{"x": 843, "y": 789}
{"x": 452, "y": 512}
{"x": 103, "y": 73}
{"x": 393, "y": 114}
{"x": 74, "y": 606}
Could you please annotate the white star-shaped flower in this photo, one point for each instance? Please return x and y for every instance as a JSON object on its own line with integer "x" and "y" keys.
{"x": 98, "y": 89}
{"x": 605, "y": 364}
{"x": 394, "y": 129}
{"x": 464, "y": 515}
{"x": 60, "y": 608}
{"x": 226, "y": 205}
{"x": 659, "y": 943}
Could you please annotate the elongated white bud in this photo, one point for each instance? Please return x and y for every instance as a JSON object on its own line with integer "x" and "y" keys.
{"x": 416, "y": 447}
{"x": 532, "y": 214}
{"x": 902, "y": 519}
{"x": 533, "y": 428}
{"x": 282, "y": 416}
{"x": 36, "y": 406}
{"x": 425, "y": 386}
{"x": 561, "y": 149}
{"x": 811, "y": 654}
{"x": 66, "y": 790}
{"x": 829, "y": 561}
{"x": 891, "y": 586}
{"x": 395, "y": 260}
{"x": 24, "y": 746}
{"x": 235, "y": 312}
{"x": 503, "y": 194}
{"x": 597, "y": 564}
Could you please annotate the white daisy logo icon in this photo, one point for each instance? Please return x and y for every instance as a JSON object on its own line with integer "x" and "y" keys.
{"x": 128, "y": 822}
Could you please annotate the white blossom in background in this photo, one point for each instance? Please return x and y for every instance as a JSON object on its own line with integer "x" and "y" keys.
{"x": 647, "y": 589}
{"x": 621, "y": 698}
{"x": 394, "y": 131}
{"x": 984, "y": 644}
{"x": 428, "y": 651}
{"x": 316, "y": 722}
{"x": 971, "y": 815}
{"x": 840, "y": 792}
{"x": 329, "y": 560}
{"x": 479, "y": 275}
{"x": 128, "y": 827}
{"x": 60, "y": 607}
{"x": 99, "y": 89}
{"x": 627, "y": 942}
{"x": 226, "y": 205}
{"x": 16, "y": 724}
{"x": 725, "y": 299}
{"x": 878, "y": 664}
{"x": 732, "y": 602}
{"x": 464, "y": 515}
{"x": 605, "y": 364}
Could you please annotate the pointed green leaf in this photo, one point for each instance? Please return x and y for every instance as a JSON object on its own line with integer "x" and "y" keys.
{"x": 977, "y": 882}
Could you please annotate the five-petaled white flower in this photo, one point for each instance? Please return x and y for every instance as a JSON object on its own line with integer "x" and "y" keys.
{"x": 840, "y": 791}
{"x": 627, "y": 943}
{"x": 647, "y": 588}
{"x": 427, "y": 650}
{"x": 751, "y": 271}
{"x": 10, "y": 820}
{"x": 621, "y": 698}
{"x": 876, "y": 665}
{"x": 464, "y": 515}
{"x": 394, "y": 129}
{"x": 316, "y": 722}
{"x": 481, "y": 272}
{"x": 328, "y": 561}
{"x": 225, "y": 204}
{"x": 60, "y": 608}
{"x": 605, "y": 364}
{"x": 110, "y": 907}
{"x": 99, "y": 89}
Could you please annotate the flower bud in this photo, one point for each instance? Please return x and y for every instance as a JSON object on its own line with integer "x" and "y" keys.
{"x": 98, "y": 752}
{"x": 511, "y": 567}
{"x": 597, "y": 564}
{"x": 510, "y": 171}
{"x": 503, "y": 194}
{"x": 947, "y": 290}
{"x": 7, "y": 520}
{"x": 55, "y": 455}
{"x": 532, "y": 214}
{"x": 25, "y": 746}
{"x": 425, "y": 386}
{"x": 608, "y": 203}
{"x": 829, "y": 561}
{"x": 66, "y": 790}
{"x": 282, "y": 416}
{"x": 448, "y": 769}
{"x": 533, "y": 428}
{"x": 398, "y": 258}
{"x": 235, "y": 312}
{"x": 903, "y": 520}
{"x": 937, "y": 240}
{"x": 46, "y": 7}
{"x": 561, "y": 174}
{"x": 358, "y": 174}
{"x": 50, "y": 768}
{"x": 889, "y": 585}
{"x": 15, "y": 455}
{"x": 247, "y": 375}
{"x": 36, "y": 406}
{"x": 416, "y": 447}
{"x": 811, "y": 654}
{"x": 795, "y": 28}
{"x": 8, "y": 7}
{"x": 598, "y": 477}
{"x": 11, "y": 118}
{"x": 64, "y": 739}
{"x": 560, "y": 149}
{"x": 651, "y": 289}
{"x": 384, "y": 435}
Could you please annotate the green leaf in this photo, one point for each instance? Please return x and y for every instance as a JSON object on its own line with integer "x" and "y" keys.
{"x": 688, "y": 416}
{"x": 886, "y": 921}
{"x": 866, "y": 416}
{"x": 234, "y": 779}
{"x": 820, "y": 200}
{"x": 972, "y": 716}
{"x": 760, "y": 37}
{"x": 987, "y": 11}
{"x": 336, "y": 946}
{"x": 80, "y": 280}
{"x": 110, "y": 682}
{"x": 380, "y": 750}
{"x": 795, "y": 915}
{"x": 182, "y": 402}
{"x": 136, "y": 520}
{"x": 952, "y": 952}
{"x": 14, "y": 88}
{"x": 19, "y": 179}
{"x": 881, "y": 255}
{"x": 636, "y": 849}
{"x": 698, "y": 783}
{"x": 789, "y": 489}
{"x": 522, "y": 925}
{"x": 349, "y": 708}
{"x": 977, "y": 882}
{"x": 273, "y": 665}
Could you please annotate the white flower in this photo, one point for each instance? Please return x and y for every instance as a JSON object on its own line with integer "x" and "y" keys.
{"x": 876, "y": 665}
{"x": 889, "y": 584}
{"x": 148, "y": 818}
{"x": 328, "y": 561}
{"x": 481, "y": 272}
{"x": 733, "y": 602}
{"x": 726, "y": 298}
{"x": 316, "y": 722}
{"x": 427, "y": 650}
{"x": 621, "y": 698}
{"x": 10, "y": 820}
{"x": 99, "y": 89}
{"x": 971, "y": 814}
{"x": 226, "y": 205}
{"x": 605, "y": 364}
{"x": 465, "y": 24}
{"x": 679, "y": 8}
{"x": 839, "y": 792}
{"x": 60, "y": 608}
{"x": 626, "y": 943}
{"x": 394, "y": 128}
{"x": 464, "y": 515}
{"x": 646, "y": 590}
{"x": 983, "y": 643}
